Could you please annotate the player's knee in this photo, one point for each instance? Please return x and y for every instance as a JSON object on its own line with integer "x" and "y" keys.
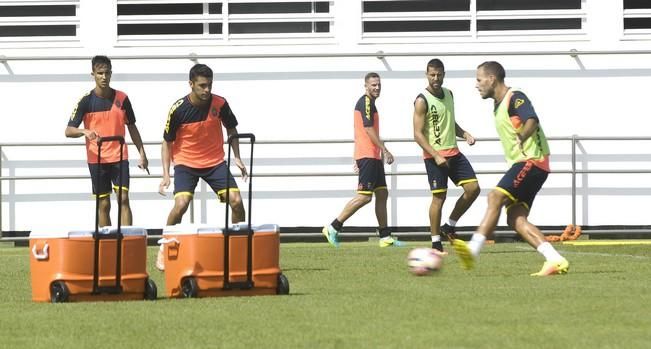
{"x": 439, "y": 198}
{"x": 363, "y": 199}
{"x": 472, "y": 189}
{"x": 236, "y": 202}
{"x": 381, "y": 195}
{"x": 515, "y": 222}
{"x": 181, "y": 204}
{"x": 124, "y": 198}
{"x": 105, "y": 204}
{"x": 495, "y": 197}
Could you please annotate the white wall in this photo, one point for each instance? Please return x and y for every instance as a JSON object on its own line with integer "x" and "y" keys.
{"x": 312, "y": 99}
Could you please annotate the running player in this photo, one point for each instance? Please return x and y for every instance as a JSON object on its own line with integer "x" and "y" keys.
{"x": 527, "y": 152}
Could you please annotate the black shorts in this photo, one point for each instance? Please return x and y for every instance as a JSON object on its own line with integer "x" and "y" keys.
{"x": 217, "y": 177}
{"x": 458, "y": 170}
{"x": 371, "y": 176}
{"x": 108, "y": 172}
{"x": 522, "y": 182}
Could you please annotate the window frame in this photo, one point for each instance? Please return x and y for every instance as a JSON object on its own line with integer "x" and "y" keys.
{"x": 41, "y": 41}
{"x": 635, "y": 34}
{"x": 225, "y": 19}
{"x": 474, "y": 35}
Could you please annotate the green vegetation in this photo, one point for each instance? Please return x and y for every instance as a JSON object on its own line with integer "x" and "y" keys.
{"x": 361, "y": 296}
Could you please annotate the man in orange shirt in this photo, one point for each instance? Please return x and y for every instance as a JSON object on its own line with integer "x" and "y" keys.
{"x": 194, "y": 141}
{"x": 105, "y": 112}
{"x": 370, "y": 152}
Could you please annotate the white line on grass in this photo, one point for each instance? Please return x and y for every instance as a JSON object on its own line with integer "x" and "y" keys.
{"x": 600, "y": 254}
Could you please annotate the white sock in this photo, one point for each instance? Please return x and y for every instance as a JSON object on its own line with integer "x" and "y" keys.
{"x": 550, "y": 253}
{"x": 436, "y": 238}
{"x": 452, "y": 222}
{"x": 476, "y": 243}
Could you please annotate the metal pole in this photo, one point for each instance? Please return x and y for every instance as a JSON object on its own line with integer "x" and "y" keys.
{"x": 574, "y": 179}
{"x": 192, "y": 210}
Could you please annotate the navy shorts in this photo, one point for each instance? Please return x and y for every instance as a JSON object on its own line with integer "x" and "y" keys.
{"x": 217, "y": 177}
{"x": 522, "y": 182}
{"x": 458, "y": 170}
{"x": 371, "y": 176}
{"x": 108, "y": 173}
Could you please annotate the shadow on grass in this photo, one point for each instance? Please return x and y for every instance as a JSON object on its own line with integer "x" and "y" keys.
{"x": 509, "y": 252}
{"x": 305, "y": 269}
{"x": 571, "y": 272}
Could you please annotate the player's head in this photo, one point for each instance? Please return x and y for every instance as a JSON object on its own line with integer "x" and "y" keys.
{"x": 372, "y": 84}
{"x": 490, "y": 74}
{"x": 201, "y": 81}
{"x": 99, "y": 61}
{"x": 435, "y": 73}
{"x": 101, "y": 71}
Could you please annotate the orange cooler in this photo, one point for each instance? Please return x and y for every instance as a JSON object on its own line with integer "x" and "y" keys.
{"x": 62, "y": 266}
{"x": 194, "y": 261}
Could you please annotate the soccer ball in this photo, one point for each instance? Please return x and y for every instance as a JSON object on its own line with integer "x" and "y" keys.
{"x": 423, "y": 261}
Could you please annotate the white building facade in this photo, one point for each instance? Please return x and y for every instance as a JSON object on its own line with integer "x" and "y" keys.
{"x": 292, "y": 71}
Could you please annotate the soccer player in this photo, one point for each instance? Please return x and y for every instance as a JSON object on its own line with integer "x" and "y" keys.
{"x": 105, "y": 112}
{"x": 193, "y": 139}
{"x": 370, "y": 152}
{"x": 527, "y": 152}
{"x": 436, "y": 132}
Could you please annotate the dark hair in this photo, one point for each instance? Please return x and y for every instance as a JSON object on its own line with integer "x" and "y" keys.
{"x": 100, "y": 60}
{"x": 200, "y": 70}
{"x": 435, "y": 63}
{"x": 371, "y": 75}
{"x": 494, "y": 68}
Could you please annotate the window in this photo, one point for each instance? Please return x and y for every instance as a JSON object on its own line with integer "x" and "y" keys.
{"x": 225, "y": 20}
{"x": 637, "y": 18}
{"x": 472, "y": 19}
{"x": 445, "y": 17}
{"x": 30, "y": 21}
{"x": 519, "y": 5}
{"x": 533, "y": 15}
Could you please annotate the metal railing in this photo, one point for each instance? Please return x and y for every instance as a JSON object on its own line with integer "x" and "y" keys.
{"x": 352, "y": 54}
{"x": 573, "y": 171}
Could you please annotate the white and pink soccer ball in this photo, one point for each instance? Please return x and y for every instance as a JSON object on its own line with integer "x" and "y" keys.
{"x": 423, "y": 261}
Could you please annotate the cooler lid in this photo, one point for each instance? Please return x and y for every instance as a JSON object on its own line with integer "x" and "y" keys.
{"x": 260, "y": 227}
{"x": 128, "y": 230}
{"x": 58, "y": 234}
{"x": 191, "y": 229}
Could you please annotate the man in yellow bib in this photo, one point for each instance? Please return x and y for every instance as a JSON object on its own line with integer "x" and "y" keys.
{"x": 527, "y": 152}
{"x": 436, "y": 131}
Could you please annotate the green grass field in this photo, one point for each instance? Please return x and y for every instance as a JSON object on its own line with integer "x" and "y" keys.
{"x": 360, "y": 296}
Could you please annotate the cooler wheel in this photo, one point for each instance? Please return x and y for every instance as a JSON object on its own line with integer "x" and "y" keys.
{"x": 59, "y": 292}
{"x": 189, "y": 287}
{"x": 151, "y": 291}
{"x": 283, "y": 284}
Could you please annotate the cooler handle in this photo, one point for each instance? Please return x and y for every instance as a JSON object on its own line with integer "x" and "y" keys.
{"x": 43, "y": 255}
{"x": 172, "y": 249}
{"x": 164, "y": 241}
